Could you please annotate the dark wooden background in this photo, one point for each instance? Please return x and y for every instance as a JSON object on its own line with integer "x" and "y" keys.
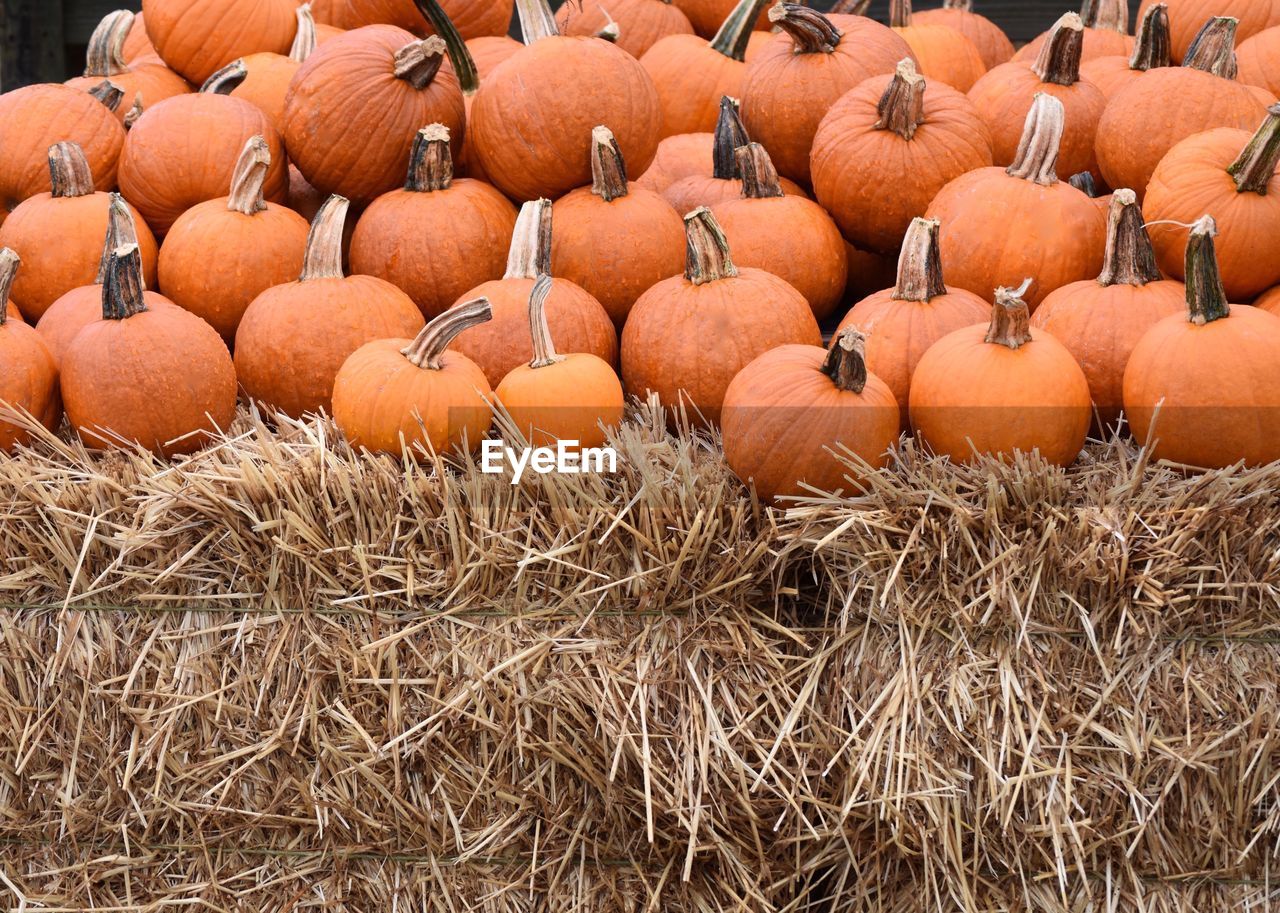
{"x": 43, "y": 40}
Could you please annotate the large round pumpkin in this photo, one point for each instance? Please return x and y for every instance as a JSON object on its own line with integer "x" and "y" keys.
{"x": 29, "y": 381}
{"x": 1004, "y": 225}
{"x": 942, "y": 53}
{"x": 145, "y": 81}
{"x": 641, "y": 23}
{"x": 992, "y": 43}
{"x": 294, "y": 337}
{"x": 1203, "y": 388}
{"x": 1258, "y": 60}
{"x": 1187, "y": 18}
{"x": 886, "y": 148}
{"x": 437, "y": 237}
{"x": 688, "y": 336}
{"x": 1151, "y": 51}
{"x": 196, "y": 38}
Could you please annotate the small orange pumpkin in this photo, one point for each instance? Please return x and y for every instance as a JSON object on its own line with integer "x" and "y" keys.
{"x": 29, "y": 381}
{"x": 197, "y": 38}
{"x": 990, "y": 40}
{"x": 640, "y": 23}
{"x": 1106, "y": 32}
{"x": 1151, "y": 51}
{"x": 943, "y": 53}
{"x": 146, "y": 80}
{"x": 1258, "y": 60}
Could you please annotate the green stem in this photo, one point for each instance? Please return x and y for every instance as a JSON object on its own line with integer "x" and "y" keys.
{"x": 1206, "y": 298}
{"x": 734, "y": 33}
{"x": 427, "y": 349}
{"x": 459, "y": 54}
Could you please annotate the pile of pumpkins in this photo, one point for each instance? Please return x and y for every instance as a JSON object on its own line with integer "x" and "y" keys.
{"x": 353, "y": 214}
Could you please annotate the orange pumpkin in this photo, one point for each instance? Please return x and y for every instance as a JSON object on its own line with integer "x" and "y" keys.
{"x": 790, "y": 236}
{"x": 943, "y": 53}
{"x": 1162, "y": 107}
{"x": 294, "y": 337}
{"x": 437, "y": 237}
{"x": 1006, "y": 224}
{"x": 688, "y": 336}
{"x": 1001, "y": 389}
{"x": 560, "y": 397}
{"x": 1004, "y": 96}
{"x": 34, "y": 118}
{"x": 803, "y": 71}
{"x": 1150, "y": 52}
{"x": 1106, "y": 28}
{"x": 1187, "y": 17}
{"x": 1269, "y": 301}
{"x": 197, "y": 38}
{"x": 29, "y": 381}
{"x": 146, "y": 80}
{"x": 1203, "y": 389}
{"x": 137, "y": 44}
{"x": 160, "y": 378}
{"x": 59, "y": 234}
{"x": 615, "y": 239}
{"x": 1258, "y": 60}
{"x": 399, "y": 396}
{"x": 930, "y": 134}
{"x": 577, "y": 319}
{"x": 1100, "y": 321}
{"x": 902, "y": 322}
{"x": 992, "y": 43}
{"x": 491, "y": 50}
{"x": 680, "y": 156}
{"x": 473, "y": 18}
{"x": 708, "y": 16}
{"x": 1230, "y": 175}
{"x": 640, "y": 23}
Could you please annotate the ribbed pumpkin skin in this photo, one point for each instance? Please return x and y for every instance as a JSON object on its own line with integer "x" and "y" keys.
{"x": 708, "y": 15}
{"x": 575, "y": 84}
{"x": 349, "y": 122}
{"x": 29, "y": 381}
{"x": 680, "y": 156}
{"x": 196, "y": 38}
{"x": 1097, "y": 43}
{"x": 151, "y": 79}
{"x": 472, "y": 18}
{"x": 1053, "y": 235}
{"x": 183, "y": 151}
{"x": 60, "y": 242}
{"x": 1258, "y": 60}
{"x": 687, "y": 194}
{"x": 992, "y": 43}
{"x": 691, "y": 78}
{"x": 573, "y": 400}
{"x": 490, "y": 50}
{"x": 944, "y": 55}
{"x": 75, "y": 310}
{"x": 435, "y": 246}
{"x": 1110, "y": 74}
{"x": 1187, "y": 16}
{"x": 34, "y": 118}
{"x": 578, "y": 323}
{"x": 874, "y": 182}
{"x": 267, "y": 84}
{"x": 641, "y": 23}
{"x": 138, "y": 43}
{"x": 785, "y": 95}
{"x": 1141, "y": 123}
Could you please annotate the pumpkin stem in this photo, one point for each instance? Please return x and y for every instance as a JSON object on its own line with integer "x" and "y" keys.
{"x": 248, "y": 177}
{"x": 431, "y": 161}
{"x": 734, "y": 33}
{"x": 135, "y": 111}
{"x": 122, "y": 231}
{"x": 1010, "y": 319}
{"x": 323, "y": 256}
{"x": 530, "y": 255}
{"x": 544, "y": 349}
{"x": 846, "y": 362}
{"x": 1206, "y": 298}
{"x": 418, "y": 62}
{"x": 536, "y": 20}
{"x": 304, "y": 40}
{"x": 459, "y": 54}
{"x": 1084, "y": 183}
{"x": 122, "y": 292}
{"x": 1129, "y": 257}
{"x": 428, "y": 347}
{"x": 964, "y": 5}
{"x": 105, "y": 54}
{"x": 69, "y": 172}
{"x": 1059, "y": 60}
{"x": 611, "y": 32}
{"x": 812, "y": 32}
{"x": 110, "y": 94}
{"x": 1256, "y": 165}
{"x": 226, "y": 80}
{"x": 850, "y": 7}
{"x": 1214, "y": 48}
{"x": 1152, "y": 47}
{"x": 901, "y": 107}
{"x": 9, "y": 263}
{"x": 920, "y": 263}
{"x": 1041, "y": 137}
{"x": 1112, "y": 15}
{"x": 608, "y": 168}
{"x": 730, "y": 135}
{"x": 899, "y": 14}
{"x": 706, "y": 249}
{"x": 759, "y": 177}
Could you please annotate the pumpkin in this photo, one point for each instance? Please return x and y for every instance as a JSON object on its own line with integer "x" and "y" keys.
{"x": 886, "y": 148}
{"x": 615, "y": 238}
{"x": 708, "y": 16}
{"x": 1258, "y": 60}
{"x": 379, "y": 85}
{"x": 640, "y": 23}
{"x": 999, "y": 389}
{"x": 1203, "y": 388}
{"x": 436, "y": 237}
{"x": 790, "y": 236}
{"x": 560, "y": 397}
{"x": 1100, "y": 321}
{"x": 1004, "y": 96}
{"x": 1269, "y": 301}
{"x": 29, "y": 381}
{"x": 1162, "y": 107}
{"x": 692, "y": 74}
{"x": 473, "y": 18}
{"x": 1150, "y": 51}
{"x": 159, "y": 377}
{"x": 137, "y": 44}
{"x": 681, "y": 156}
{"x": 791, "y": 411}
{"x": 145, "y": 80}
{"x": 1231, "y": 175}
{"x": 688, "y": 336}
{"x": 1187, "y": 17}
{"x": 196, "y": 38}
{"x": 902, "y": 322}
{"x": 401, "y": 396}
{"x": 59, "y": 234}
{"x": 992, "y": 43}
{"x": 943, "y": 53}
{"x": 1004, "y": 224}
{"x": 577, "y": 319}
{"x": 294, "y": 337}
{"x": 491, "y": 50}
{"x": 803, "y": 71}
{"x": 1106, "y": 28}
{"x": 34, "y": 118}
{"x": 184, "y": 151}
